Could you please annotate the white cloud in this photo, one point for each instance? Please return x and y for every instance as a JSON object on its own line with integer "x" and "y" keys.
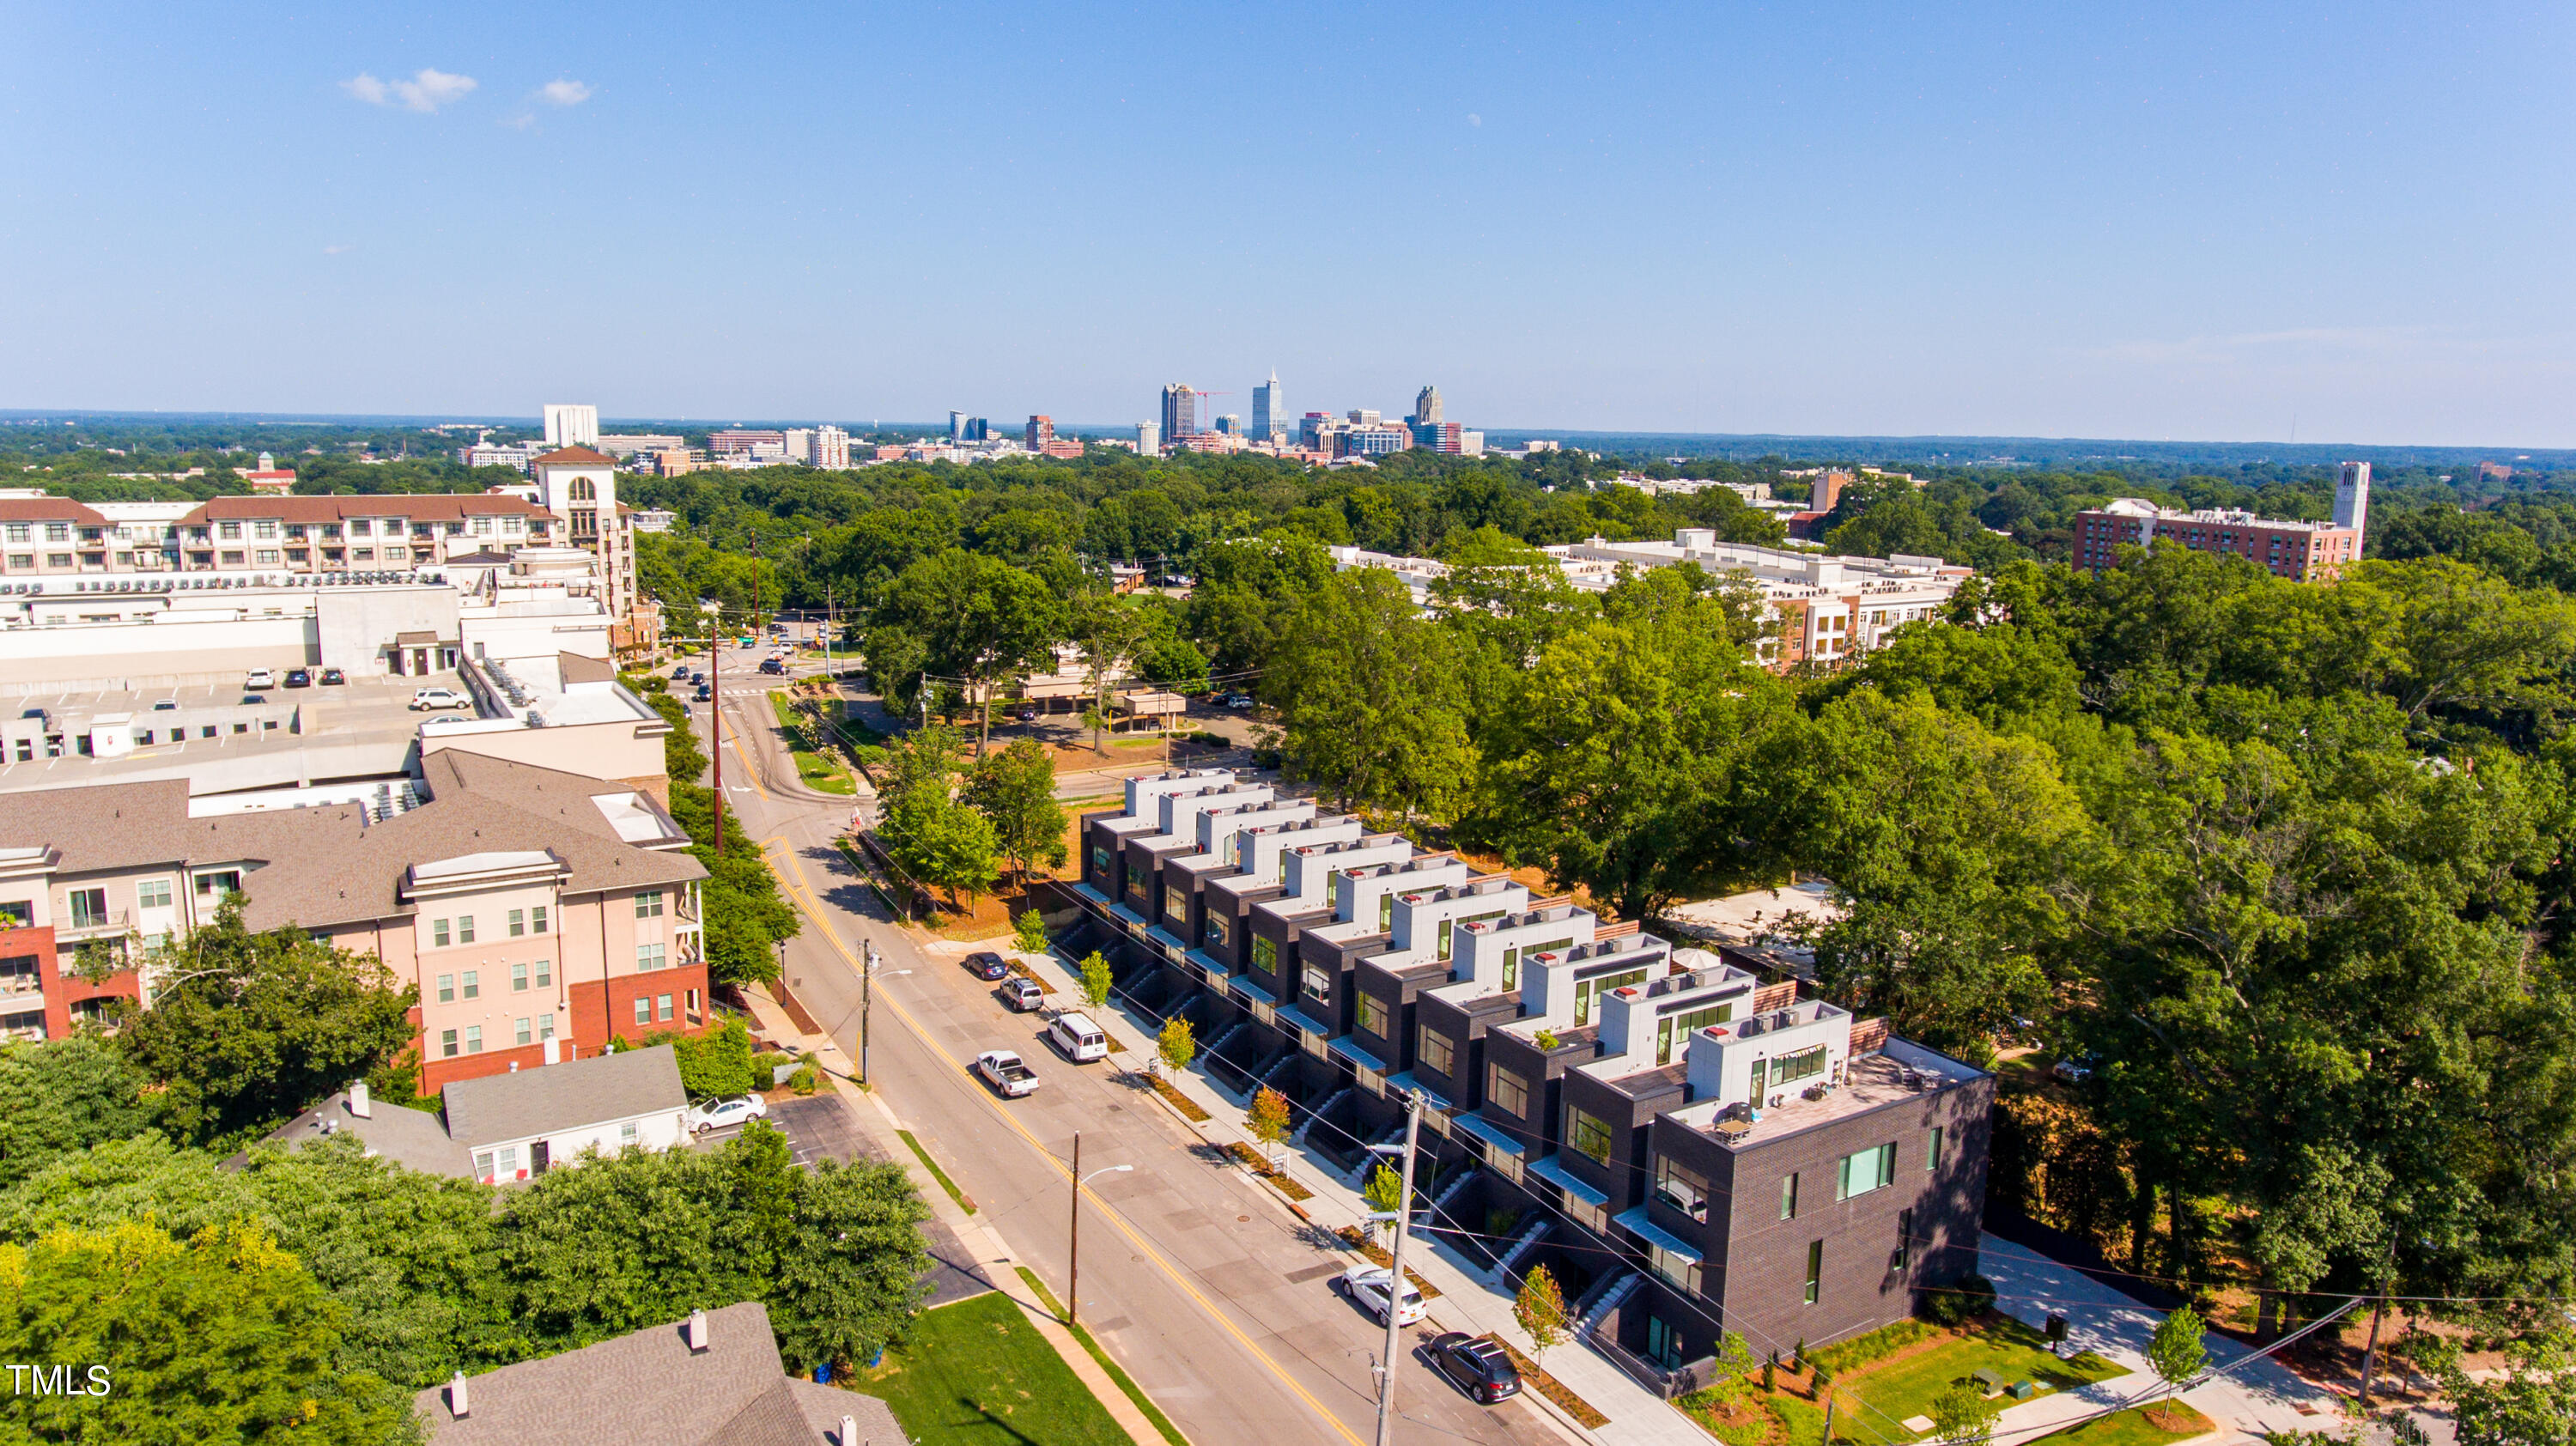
{"x": 335, "y": 248}
{"x": 426, "y": 91}
{"x": 564, "y": 92}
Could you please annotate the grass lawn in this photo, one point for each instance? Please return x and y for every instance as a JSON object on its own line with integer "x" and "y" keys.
{"x": 1876, "y": 1397}
{"x": 2134, "y": 1427}
{"x": 820, "y": 774}
{"x": 977, "y": 1373}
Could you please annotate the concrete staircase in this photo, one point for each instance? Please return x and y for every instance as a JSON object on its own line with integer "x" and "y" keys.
{"x": 1318, "y": 1113}
{"x": 1367, "y": 1166}
{"x": 1279, "y": 1066}
{"x": 1522, "y": 1244}
{"x": 1228, "y": 1037}
{"x": 1603, "y": 1299}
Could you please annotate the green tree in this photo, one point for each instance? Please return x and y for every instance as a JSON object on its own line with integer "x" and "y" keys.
{"x": 1029, "y": 932}
{"x": 164, "y": 1333}
{"x": 1385, "y": 1196}
{"x": 715, "y": 1064}
{"x": 941, "y": 843}
{"x": 1267, "y": 1118}
{"x": 247, "y": 1029}
{"x": 1540, "y": 1310}
{"x": 1109, "y": 629}
{"x": 746, "y": 916}
{"x": 2532, "y": 1404}
{"x": 67, "y": 1094}
{"x": 2178, "y": 1355}
{"x": 1369, "y": 699}
{"x": 1177, "y": 1045}
{"x": 1961, "y": 1417}
{"x": 975, "y": 619}
{"x": 1094, "y": 980}
{"x": 857, "y": 1268}
{"x": 1015, "y": 789}
{"x": 683, "y": 757}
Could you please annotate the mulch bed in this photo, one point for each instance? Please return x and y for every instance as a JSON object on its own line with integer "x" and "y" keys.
{"x": 1550, "y": 1387}
{"x": 1278, "y": 1179}
{"x": 1188, "y": 1107}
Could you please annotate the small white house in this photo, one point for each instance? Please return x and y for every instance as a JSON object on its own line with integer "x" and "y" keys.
{"x": 523, "y": 1123}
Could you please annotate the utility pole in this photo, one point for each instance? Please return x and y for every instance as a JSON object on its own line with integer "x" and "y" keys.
{"x": 715, "y": 711}
{"x": 867, "y": 997}
{"x": 1395, "y": 1277}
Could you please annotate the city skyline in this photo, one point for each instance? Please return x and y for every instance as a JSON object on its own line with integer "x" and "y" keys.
{"x": 2240, "y": 225}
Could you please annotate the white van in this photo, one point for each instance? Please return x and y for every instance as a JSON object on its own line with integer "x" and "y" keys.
{"x": 1079, "y": 1038}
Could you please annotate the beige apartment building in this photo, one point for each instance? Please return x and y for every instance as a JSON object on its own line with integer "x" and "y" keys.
{"x": 539, "y": 913}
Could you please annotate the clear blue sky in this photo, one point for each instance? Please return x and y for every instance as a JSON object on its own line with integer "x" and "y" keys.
{"x": 2203, "y": 221}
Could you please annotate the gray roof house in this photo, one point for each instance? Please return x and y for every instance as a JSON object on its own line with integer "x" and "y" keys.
{"x": 413, "y": 1139}
{"x": 715, "y": 1379}
{"x": 514, "y": 1126}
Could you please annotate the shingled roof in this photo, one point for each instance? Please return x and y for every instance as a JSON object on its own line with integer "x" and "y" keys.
{"x": 651, "y": 1387}
{"x": 497, "y": 1109}
{"x": 572, "y": 457}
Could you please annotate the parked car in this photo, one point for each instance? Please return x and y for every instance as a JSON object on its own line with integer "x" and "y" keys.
{"x": 1004, "y": 1070}
{"x": 2074, "y": 1069}
{"x": 989, "y": 965}
{"x": 1476, "y": 1366}
{"x": 1366, "y": 1285}
{"x": 439, "y": 698}
{"x": 1027, "y": 715}
{"x": 166, "y": 705}
{"x": 1237, "y": 701}
{"x": 1023, "y": 995}
{"x": 260, "y": 678}
{"x": 299, "y": 678}
{"x": 718, "y": 1114}
{"x": 333, "y": 678}
{"x": 1079, "y": 1038}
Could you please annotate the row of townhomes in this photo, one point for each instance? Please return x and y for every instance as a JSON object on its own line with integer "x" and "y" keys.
{"x": 1821, "y": 608}
{"x": 1689, "y": 1145}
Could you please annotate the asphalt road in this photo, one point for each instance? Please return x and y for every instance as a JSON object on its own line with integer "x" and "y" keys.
{"x": 1202, "y": 1286}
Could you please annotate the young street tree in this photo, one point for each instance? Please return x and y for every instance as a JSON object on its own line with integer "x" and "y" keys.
{"x": 1095, "y": 980}
{"x": 1177, "y": 1045}
{"x": 1028, "y": 932}
{"x": 1267, "y": 1119}
{"x": 1385, "y": 1195}
{"x": 1961, "y": 1417}
{"x": 1540, "y": 1309}
{"x": 2178, "y": 1354}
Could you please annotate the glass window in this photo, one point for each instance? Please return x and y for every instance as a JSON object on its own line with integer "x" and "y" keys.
{"x": 1176, "y": 906}
{"x": 1508, "y": 1090}
{"x": 1674, "y": 1027}
{"x": 1436, "y": 1051}
{"x": 545, "y": 973}
{"x": 1216, "y": 929}
{"x": 1318, "y": 983}
{"x": 518, "y": 978}
{"x": 89, "y": 908}
{"x": 1682, "y": 1188}
{"x": 1585, "y": 990}
{"x": 447, "y": 1043}
{"x": 447, "y": 989}
{"x": 1815, "y": 1269}
{"x": 153, "y": 893}
{"x": 1932, "y": 1157}
{"x": 521, "y": 1030}
{"x": 518, "y": 922}
{"x": 1333, "y": 891}
{"x": 545, "y": 1026}
{"x": 1386, "y": 911}
{"x": 1864, "y": 1171}
{"x": 643, "y": 1009}
{"x": 1588, "y": 1135}
{"x": 648, "y": 904}
{"x": 1373, "y": 1015}
{"x": 537, "y": 920}
{"x": 474, "y": 1039}
{"x": 483, "y": 1165}
{"x": 662, "y": 1003}
{"x": 473, "y": 983}
{"x": 1265, "y": 955}
{"x": 1789, "y": 1197}
{"x": 626, "y": 1134}
{"x": 1512, "y": 968}
{"x": 1805, "y": 1064}
{"x": 465, "y": 928}
{"x": 649, "y": 956}
{"x": 1100, "y": 860}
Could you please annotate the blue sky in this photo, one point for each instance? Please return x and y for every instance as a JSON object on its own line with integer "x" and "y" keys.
{"x": 2189, "y": 221}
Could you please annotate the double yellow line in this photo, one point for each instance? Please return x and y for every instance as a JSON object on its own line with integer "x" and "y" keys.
{"x": 798, "y": 890}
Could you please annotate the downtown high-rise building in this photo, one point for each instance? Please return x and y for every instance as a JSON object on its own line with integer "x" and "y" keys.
{"x": 1426, "y": 406}
{"x": 1180, "y": 412}
{"x": 1269, "y": 413}
{"x": 1149, "y": 439}
{"x": 570, "y": 425}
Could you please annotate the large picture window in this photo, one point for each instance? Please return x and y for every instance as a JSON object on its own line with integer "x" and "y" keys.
{"x": 1867, "y": 1170}
{"x": 1372, "y": 1015}
{"x": 1805, "y": 1064}
{"x": 1436, "y": 1052}
{"x": 1681, "y": 1187}
{"x": 1507, "y": 1090}
{"x": 1588, "y": 1135}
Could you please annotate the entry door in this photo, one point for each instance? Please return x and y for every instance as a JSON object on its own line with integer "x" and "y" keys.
{"x": 537, "y": 1158}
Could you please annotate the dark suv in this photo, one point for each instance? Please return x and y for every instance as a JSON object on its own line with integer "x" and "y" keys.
{"x": 1476, "y": 1366}
{"x": 988, "y": 966}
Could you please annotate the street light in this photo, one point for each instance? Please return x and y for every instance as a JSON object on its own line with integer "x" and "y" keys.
{"x": 1073, "y": 1276}
{"x": 868, "y": 997}
{"x": 715, "y": 709}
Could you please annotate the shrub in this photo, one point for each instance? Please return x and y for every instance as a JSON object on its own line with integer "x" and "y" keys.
{"x": 804, "y": 1081}
{"x": 1970, "y": 1297}
{"x": 1860, "y": 1350}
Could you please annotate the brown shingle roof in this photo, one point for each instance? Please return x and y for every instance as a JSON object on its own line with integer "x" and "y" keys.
{"x": 572, "y": 457}
{"x": 49, "y": 509}
{"x": 323, "y": 867}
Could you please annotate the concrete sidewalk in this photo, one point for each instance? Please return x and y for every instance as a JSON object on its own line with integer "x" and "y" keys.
{"x": 1467, "y": 1301}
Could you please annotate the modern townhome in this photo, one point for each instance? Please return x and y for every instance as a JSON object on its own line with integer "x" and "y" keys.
{"x": 1689, "y": 1146}
{"x": 540, "y": 913}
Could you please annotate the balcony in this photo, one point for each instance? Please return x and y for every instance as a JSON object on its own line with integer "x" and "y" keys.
{"x": 83, "y": 924}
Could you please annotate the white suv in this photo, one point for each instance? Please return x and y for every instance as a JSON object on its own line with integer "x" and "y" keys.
{"x": 1366, "y": 1284}
{"x": 439, "y": 698}
{"x": 260, "y": 678}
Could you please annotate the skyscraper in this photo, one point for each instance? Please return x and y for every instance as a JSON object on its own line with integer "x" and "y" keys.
{"x": 1426, "y": 406}
{"x": 1149, "y": 439}
{"x": 568, "y": 425}
{"x": 2352, "y": 501}
{"x": 1040, "y": 432}
{"x": 1269, "y": 413}
{"x": 1180, "y": 412}
{"x": 956, "y": 426}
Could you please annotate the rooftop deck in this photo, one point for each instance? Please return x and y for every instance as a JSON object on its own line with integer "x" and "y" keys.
{"x": 1872, "y": 1081}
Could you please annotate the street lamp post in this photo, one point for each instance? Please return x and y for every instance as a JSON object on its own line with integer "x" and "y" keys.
{"x": 868, "y": 998}
{"x": 1395, "y": 1277}
{"x": 1073, "y": 1247}
{"x": 715, "y": 711}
